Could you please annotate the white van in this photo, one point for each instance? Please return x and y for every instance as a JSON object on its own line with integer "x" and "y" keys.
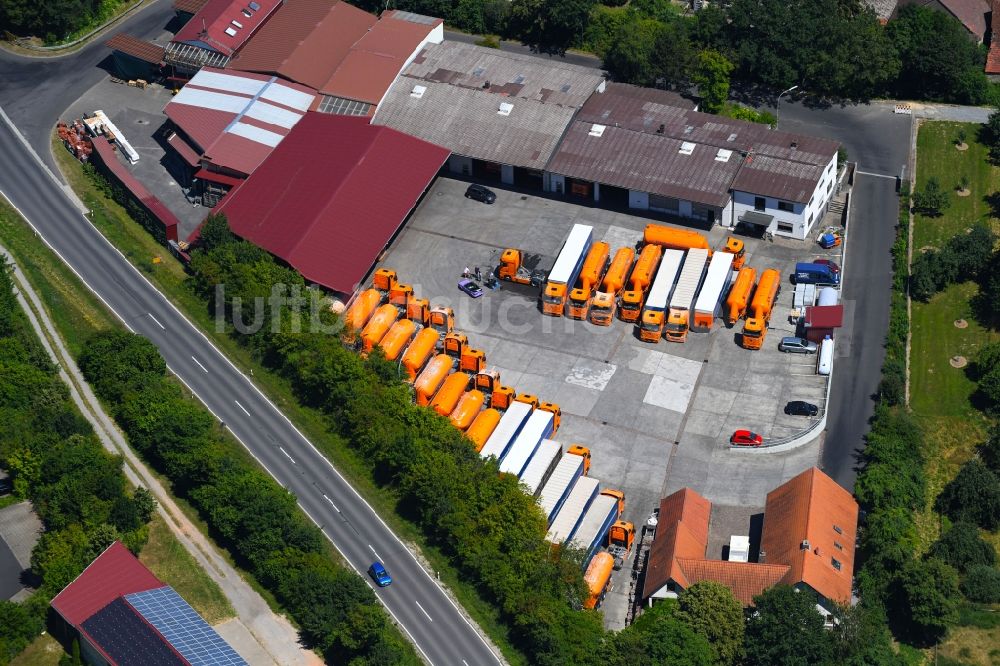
{"x": 824, "y": 363}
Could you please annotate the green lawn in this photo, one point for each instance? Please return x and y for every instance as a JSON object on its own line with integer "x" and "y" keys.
{"x": 43, "y": 651}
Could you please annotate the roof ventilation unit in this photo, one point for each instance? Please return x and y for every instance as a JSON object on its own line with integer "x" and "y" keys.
{"x": 794, "y": 145}
{"x": 254, "y": 6}
{"x": 686, "y": 148}
{"x": 236, "y": 24}
{"x": 804, "y": 545}
{"x": 418, "y": 91}
{"x": 732, "y": 137}
{"x": 231, "y": 32}
{"x": 689, "y": 129}
{"x": 661, "y": 129}
{"x": 597, "y": 130}
{"x": 505, "y": 108}
{"x": 723, "y": 155}
{"x": 246, "y": 12}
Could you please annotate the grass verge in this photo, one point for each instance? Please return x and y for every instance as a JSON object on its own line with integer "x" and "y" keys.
{"x": 169, "y": 277}
{"x": 43, "y": 651}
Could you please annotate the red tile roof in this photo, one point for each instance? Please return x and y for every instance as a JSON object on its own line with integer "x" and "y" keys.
{"x": 208, "y": 28}
{"x": 137, "y": 48}
{"x": 972, "y": 14}
{"x": 332, "y": 195}
{"x": 993, "y": 57}
{"x": 824, "y": 316}
{"x": 115, "y": 572}
{"x": 745, "y": 579}
{"x": 801, "y": 522}
{"x": 682, "y": 532}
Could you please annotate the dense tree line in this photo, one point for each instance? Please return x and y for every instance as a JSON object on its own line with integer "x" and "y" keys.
{"x": 254, "y": 516}
{"x": 77, "y": 489}
{"x": 52, "y": 20}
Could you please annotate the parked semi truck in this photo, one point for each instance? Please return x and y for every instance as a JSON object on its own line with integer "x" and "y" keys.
{"x": 467, "y": 409}
{"x": 419, "y": 352}
{"x": 590, "y": 277}
{"x": 598, "y": 579}
{"x": 682, "y": 300}
{"x": 669, "y": 238}
{"x": 482, "y": 427}
{"x": 755, "y": 327}
{"x": 592, "y": 533}
{"x": 739, "y": 295}
{"x": 359, "y": 313}
{"x": 451, "y": 391}
{"x": 566, "y": 269}
{"x": 602, "y": 307}
{"x": 431, "y": 377}
{"x": 538, "y": 427}
{"x": 541, "y": 466}
{"x": 642, "y": 275}
{"x": 570, "y": 515}
{"x": 654, "y": 311}
{"x": 442, "y": 320}
{"x": 555, "y": 490}
{"x": 512, "y": 269}
{"x": 735, "y": 247}
{"x": 507, "y": 430}
{"x": 395, "y": 341}
{"x": 708, "y": 305}
{"x": 376, "y": 328}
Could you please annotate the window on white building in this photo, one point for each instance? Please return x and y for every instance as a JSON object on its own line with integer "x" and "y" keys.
{"x": 784, "y": 227}
{"x": 785, "y": 206}
{"x": 759, "y": 203}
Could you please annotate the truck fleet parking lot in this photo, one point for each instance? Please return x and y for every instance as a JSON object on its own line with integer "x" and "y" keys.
{"x": 655, "y": 417}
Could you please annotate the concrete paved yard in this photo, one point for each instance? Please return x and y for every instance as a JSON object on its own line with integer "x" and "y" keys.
{"x": 657, "y": 417}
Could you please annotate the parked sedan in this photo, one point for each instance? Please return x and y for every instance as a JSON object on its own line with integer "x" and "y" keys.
{"x": 746, "y": 438}
{"x": 470, "y": 288}
{"x": 834, "y": 268}
{"x": 480, "y": 193}
{"x": 795, "y": 345}
{"x": 379, "y": 574}
{"x": 801, "y": 408}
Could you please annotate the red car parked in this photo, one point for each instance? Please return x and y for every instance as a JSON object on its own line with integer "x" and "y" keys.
{"x": 746, "y": 438}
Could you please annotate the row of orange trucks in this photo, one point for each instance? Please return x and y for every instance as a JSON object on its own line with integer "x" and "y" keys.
{"x": 675, "y": 283}
{"x": 516, "y": 430}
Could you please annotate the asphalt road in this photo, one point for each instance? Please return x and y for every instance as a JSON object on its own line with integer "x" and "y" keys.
{"x": 434, "y": 623}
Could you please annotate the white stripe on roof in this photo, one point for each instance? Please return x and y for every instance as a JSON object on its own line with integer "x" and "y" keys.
{"x": 254, "y": 133}
{"x": 228, "y": 82}
{"x": 290, "y": 97}
{"x": 272, "y": 114}
{"x": 210, "y": 100}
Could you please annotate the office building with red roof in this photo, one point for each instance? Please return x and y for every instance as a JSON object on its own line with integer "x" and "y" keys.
{"x": 331, "y": 197}
{"x": 126, "y": 616}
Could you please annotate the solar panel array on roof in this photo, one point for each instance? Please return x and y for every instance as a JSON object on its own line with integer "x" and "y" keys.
{"x": 127, "y": 639}
{"x": 183, "y": 628}
{"x": 339, "y": 106}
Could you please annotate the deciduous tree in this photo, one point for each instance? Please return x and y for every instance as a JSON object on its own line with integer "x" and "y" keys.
{"x": 972, "y": 496}
{"x": 786, "y": 630}
{"x": 711, "y": 75}
{"x": 711, "y": 611}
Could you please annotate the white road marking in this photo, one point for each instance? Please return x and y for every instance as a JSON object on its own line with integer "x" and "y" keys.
{"x": 422, "y": 610}
{"x": 157, "y": 321}
{"x": 331, "y": 503}
{"x": 199, "y": 364}
{"x": 876, "y": 175}
{"x": 242, "y": 407}
{"x": 287, "y": 456}
{"x": 373, "y": 550}
{"x": 465, "y": 662}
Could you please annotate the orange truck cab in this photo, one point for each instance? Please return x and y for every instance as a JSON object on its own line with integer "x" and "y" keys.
{"x": 472, "y": 360}
{"x": 377, "y": 327}
{"x": 454, "y": 343}
{"x": 397, "y": 338}
{"x": 622, "y": 533}
{"x": 502, "y": 397}
{"x": 598, "y": 579}
{"x": 566, "y": 269}
{"x": 669, "y": 238}
{"x": 442, "y": 320}
{"x": 384, "y": 280}
{"x": 682, "y": 300}
{"x": 590, "y": 276}
{"x": 755, "y": 327}
{"x": 632, "y": 299}
{"x": 467, "y": 409}
{"x": 654, "y": 311}
{"x": 419, "y": 352}
{"x": 487, "y": 380}
{"x": 400, "y": 295}
{"x": 584, "y": 453}
{"x": 556, "y": 412}
{"x": 447, "y": 397}
{"x": 735, "y": 247}
{"x": 739, "y": 295}
{"x": 429, "y": 380}
{"x": 527, "y": 398}
{"x": 482, "y": 427}
{"x": 359, "y": 313}
{"x": 419, "y": 310}
{"x": 603, "y": 304}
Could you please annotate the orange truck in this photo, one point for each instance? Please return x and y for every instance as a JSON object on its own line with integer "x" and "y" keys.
{"x": 429, "y": 380}
{"x": 359, "y": 313}
{"x": 384, "y": 280}
{"x": 654, "y": 311}
{"x": 735, "y": 247}
{"x": 567, "y": 268}
{"x": 755, "y": 327}
{"x": 419, "y": 352}
{"x": 377, "y": 327}
{"x": 638, "y": 283}
{"x": 482, "y": 427}
{"x": 447, "y": 397}
{"x": 397, "y": 338}
{"x": 669, "y": 238}
{"x": 598, "y": 579}
{"x": 467, "y": 409}
{"x": 682, "y": 300}
{"x": 603, "y": 305}
{"x": 512, "y": 269}
{"x": 442, "y": 320}
{"x": 590, "y": 276}
{"x": 739, "y": 295}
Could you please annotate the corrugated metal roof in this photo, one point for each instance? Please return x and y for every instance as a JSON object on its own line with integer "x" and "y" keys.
{"x": 225, "y": 25}
{"x": 644, "y": 162}
{"x": 184, "y": 149}
{"x": 332, "y": 195}
{"x": 510, "y": 74}
{"x": 467, "y": 121}
{"x": 971, "y": 13}
{"x": 778, "y": 178}
{"x": 137, "y": 48}
{"x": 115, "y": 572}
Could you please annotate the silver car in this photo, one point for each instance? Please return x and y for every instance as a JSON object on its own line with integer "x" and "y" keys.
{"x": 795, "y": 345}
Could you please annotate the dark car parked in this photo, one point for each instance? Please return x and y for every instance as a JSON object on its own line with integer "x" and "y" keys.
{"x": 801, "y": 408}
{"x": 480, "y": 193}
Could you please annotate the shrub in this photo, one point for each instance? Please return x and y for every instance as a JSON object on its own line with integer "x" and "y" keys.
{"x": 932, "y": 200}
{"x": 982, "y": 584}
{"x": 972, "y": 496}
{"x": 962, "y": 548}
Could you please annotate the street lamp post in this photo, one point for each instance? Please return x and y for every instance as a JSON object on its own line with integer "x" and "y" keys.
{"x": 777, "y": 105}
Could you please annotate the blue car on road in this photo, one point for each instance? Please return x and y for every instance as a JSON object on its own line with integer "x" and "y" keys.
{"x": 379, "y": 574}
